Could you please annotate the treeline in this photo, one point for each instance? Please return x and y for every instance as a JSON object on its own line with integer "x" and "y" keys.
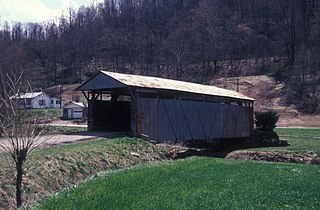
{"x": 193, "y": 40}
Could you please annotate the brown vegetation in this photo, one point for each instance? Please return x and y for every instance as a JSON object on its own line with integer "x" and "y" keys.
{"x": 275, "y": 157}
{"x": 269, "y": 94}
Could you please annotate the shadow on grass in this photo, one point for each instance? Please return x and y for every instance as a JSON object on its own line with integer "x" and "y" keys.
{"x": 228, "y": 151}
{"x": 220, "y": 150}
{"x": 194, "y": 148}
{"x": 212, "y": 151}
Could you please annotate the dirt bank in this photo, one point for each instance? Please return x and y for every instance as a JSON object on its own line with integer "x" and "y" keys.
{"x": 275, "y": 157}
{"x": 269, "y": 95}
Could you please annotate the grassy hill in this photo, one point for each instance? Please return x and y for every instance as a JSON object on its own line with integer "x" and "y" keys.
{"x": 56, "y": 168}
{"x": 197, "y": 183}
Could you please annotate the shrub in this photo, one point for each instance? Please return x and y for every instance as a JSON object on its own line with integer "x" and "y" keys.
{"x": 266, "y": 120}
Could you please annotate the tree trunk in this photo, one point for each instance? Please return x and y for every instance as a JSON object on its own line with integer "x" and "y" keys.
{"x": 19, "y": 169}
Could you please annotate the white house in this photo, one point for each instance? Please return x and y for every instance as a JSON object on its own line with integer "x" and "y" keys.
{"x": 37, "y": 100}
{"x": 73, "y": 110}
{"x": 55, "y": 102}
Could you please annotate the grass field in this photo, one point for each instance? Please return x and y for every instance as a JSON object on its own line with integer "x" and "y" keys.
{"x": 198, "y": 183}
{"x": 301, "y": 141}
{"x": 63, "y": 129}
{"x": 55, "y": 168}
{"x": 48, "y": 114}
{"x": 195, "y": 183}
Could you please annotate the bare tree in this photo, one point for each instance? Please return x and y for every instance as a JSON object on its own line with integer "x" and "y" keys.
{"x": 19, "y": 127}
{"x": 177, "y": 51}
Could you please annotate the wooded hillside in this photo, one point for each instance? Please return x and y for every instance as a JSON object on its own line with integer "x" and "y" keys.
{"x": 194, "y": 40}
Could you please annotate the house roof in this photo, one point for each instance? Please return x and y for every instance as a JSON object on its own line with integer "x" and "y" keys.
{"x": 27, "y": 95}
{"x": 74, "y": 104}
{"x": 155, "y": 83}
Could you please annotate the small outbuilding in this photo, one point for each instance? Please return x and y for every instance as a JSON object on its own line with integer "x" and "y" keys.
{"x": 73, "y": 110}
{"x": 165, "y": 110}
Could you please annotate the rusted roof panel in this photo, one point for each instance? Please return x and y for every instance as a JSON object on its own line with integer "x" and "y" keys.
{"x": 175, "y": 85}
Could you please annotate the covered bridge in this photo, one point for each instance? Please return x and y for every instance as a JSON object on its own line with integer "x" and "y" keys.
{"x": 166, "y": 110}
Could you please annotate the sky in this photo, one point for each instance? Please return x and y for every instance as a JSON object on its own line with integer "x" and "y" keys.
{"x": 34, "y": 11}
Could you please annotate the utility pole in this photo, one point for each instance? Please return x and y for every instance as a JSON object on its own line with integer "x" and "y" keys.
{"x": 61, "y": 90}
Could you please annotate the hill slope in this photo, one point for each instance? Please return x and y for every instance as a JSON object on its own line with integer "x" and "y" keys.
{"x": 269, "y": 95}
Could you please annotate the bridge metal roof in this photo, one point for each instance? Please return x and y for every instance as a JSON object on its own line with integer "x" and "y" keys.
{"x": 98, "y": 82}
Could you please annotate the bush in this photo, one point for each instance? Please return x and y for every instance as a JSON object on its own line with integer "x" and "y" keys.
{"x": 266, "y": 120}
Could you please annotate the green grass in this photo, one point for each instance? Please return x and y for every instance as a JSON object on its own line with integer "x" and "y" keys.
{"x": 56, "y": 168}
{"x": 301, "y": 141}
{"x": 198, "y": 183}
{"x": 47, "y": 114}
{"x": 63, "y": 129}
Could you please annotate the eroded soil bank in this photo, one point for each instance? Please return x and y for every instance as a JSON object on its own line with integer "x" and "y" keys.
{"x": 275, "y": 157}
